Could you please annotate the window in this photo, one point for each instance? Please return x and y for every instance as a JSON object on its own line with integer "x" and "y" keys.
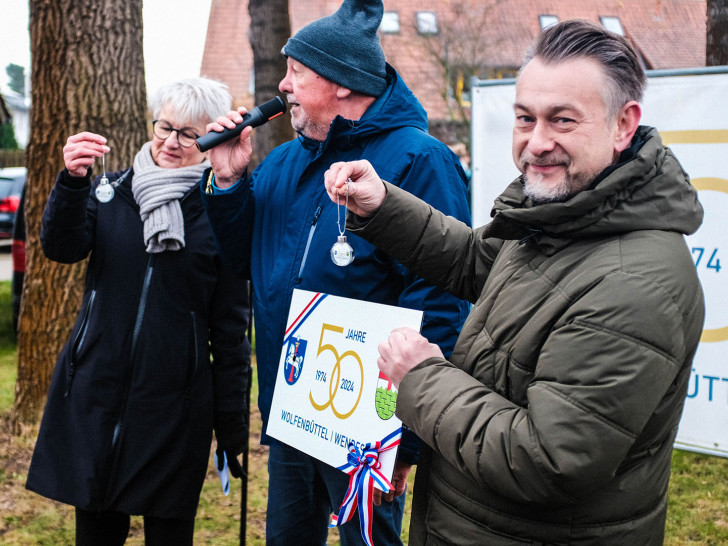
{"x": 547, "y": 20}
{"x": 390, "y": 22}
{"x": 460, "y": 85}
{"x": 613, "y": 24}
{"x": 426, "y": 22}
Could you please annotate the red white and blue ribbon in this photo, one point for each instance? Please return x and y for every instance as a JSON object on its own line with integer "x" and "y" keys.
{"x": 303, "y": 315}
{"x": 363, "y": 468}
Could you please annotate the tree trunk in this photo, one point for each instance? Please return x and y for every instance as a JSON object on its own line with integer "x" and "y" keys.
{"x": 87, "y": 75}
{"x": 716, "y": 44}
{"x": 268, "y": 34}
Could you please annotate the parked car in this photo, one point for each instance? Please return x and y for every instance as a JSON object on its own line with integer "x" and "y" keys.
{"x": 17, "y": 250}
{"x": 12, "y": 182}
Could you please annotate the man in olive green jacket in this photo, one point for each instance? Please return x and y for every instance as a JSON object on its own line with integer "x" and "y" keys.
{"x": 554, "y": 419}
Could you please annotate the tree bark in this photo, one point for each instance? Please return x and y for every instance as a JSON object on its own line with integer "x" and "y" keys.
{"x": 268, "y": 34}
{"x": 716, "y": 43}
{"x": 87, "y": 75}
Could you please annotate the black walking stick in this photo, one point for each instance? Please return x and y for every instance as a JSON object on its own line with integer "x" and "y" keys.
{"x": 244, "y": 478}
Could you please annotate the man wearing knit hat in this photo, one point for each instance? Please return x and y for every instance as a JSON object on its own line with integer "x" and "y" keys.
{"x": 278, "y": 226}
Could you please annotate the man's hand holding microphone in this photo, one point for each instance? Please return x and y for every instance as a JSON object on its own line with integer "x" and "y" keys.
{"x": 229, "y": 155}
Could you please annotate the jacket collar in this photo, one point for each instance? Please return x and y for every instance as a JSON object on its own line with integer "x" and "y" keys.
{"x": 646, "y": 189}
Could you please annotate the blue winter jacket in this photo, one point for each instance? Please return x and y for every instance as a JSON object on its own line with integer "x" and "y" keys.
{"x": 278, "y": 226}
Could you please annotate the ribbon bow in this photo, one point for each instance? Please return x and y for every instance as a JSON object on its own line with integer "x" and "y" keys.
{"x": 363, "y": 468}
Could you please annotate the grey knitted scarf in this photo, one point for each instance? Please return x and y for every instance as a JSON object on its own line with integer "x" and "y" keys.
{"x": 157, "y": 191}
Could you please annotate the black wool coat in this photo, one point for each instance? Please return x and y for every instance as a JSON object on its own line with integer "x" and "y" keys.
{"x": 129, "y": 418}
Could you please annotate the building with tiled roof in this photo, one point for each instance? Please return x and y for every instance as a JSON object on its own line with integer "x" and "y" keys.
{"x": 437, "y": 45}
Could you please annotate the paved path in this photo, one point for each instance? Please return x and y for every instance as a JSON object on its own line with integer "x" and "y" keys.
{"x": 6, "y": 264}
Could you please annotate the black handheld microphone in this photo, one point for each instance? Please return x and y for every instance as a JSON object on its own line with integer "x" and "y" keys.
{"x": 257, "y": 116}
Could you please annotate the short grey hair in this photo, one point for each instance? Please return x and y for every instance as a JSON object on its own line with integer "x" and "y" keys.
{"x": 193, "y": 99}
{"x": 625, "y": 79}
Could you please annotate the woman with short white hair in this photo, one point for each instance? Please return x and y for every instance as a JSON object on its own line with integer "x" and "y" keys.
{"x": 158, "y": 355}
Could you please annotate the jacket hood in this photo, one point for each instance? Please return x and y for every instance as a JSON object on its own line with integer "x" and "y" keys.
{"x": 397, "y": 107}
{"x": 649, "y": 191}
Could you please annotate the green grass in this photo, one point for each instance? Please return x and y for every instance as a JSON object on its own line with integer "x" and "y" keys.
{"x": 7, "y": 336}
{"x": 697, "y": 515}
{"x": 8, "y": 353}
{"x": 8, "y": 373}
{"x": 698, "y": 500}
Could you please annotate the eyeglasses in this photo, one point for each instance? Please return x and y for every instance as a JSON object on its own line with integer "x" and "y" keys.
{"x": 185, "y": 137}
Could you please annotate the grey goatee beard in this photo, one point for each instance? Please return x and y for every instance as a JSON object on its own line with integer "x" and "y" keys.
{"x": 534, "y": 187}
{"x": 535, "y": 190}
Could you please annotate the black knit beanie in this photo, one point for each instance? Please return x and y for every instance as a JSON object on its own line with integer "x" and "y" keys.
{"x": 344, "y": 47}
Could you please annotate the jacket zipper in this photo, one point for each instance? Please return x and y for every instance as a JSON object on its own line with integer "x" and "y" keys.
{"x": 191, "y": 374}
{"x": 135, "y": 336}
{"x": 316, "y": 216}
{"x": 127, "y": 379}
{"x": 78, "y": 342}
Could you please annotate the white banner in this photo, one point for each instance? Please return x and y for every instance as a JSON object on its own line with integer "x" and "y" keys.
{"x": 688, "y": 108}
{"x": 329, "y": 391}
